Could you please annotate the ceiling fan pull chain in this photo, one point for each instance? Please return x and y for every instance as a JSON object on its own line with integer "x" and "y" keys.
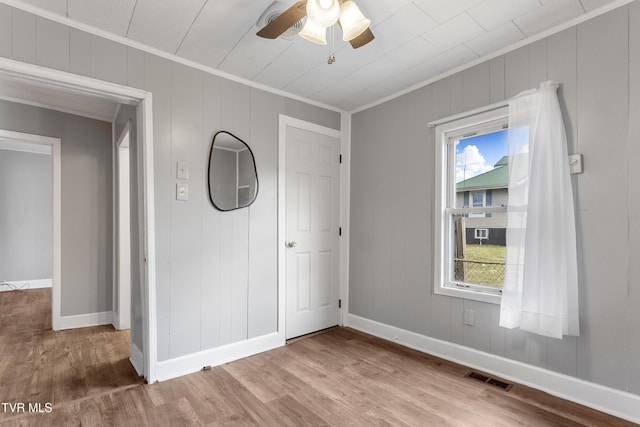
{"x": 332, "y": 56}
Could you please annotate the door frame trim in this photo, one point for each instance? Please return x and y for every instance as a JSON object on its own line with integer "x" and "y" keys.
{"x": 121, "y": 318}
{"x": 33, "y": 75}
{"x": 284, "y": 123}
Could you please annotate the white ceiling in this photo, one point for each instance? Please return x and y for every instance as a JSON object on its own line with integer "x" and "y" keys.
{"x": 415, "y": 40}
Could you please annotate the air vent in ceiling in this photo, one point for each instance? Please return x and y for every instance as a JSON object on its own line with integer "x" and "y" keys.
{"x": 275, "y": 10}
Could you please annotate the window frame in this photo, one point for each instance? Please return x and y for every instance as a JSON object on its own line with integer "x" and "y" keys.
{"x": 445, "y": 133}
{"x": 483, "y": 193}
{"x": 484, "y": 232}
{"x": 473, "y": 205}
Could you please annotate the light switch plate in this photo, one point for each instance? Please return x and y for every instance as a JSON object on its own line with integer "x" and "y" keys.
{"x": 182, "y": 192}
{"x": 183, "y": 170}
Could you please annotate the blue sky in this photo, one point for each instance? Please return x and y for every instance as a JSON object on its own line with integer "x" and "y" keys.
{"x": 478, "y": 154}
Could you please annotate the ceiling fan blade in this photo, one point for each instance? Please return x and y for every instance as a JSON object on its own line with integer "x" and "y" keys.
{"x": 283, "y": 22}
{"x": 362, "y": 39}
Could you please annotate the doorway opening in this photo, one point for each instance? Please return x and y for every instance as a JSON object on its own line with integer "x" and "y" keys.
{"x": 70, "y": 93}
{"x": 26, "y": 228}
{"x": 24, "y": 223}
{"x": 31, "y": 230}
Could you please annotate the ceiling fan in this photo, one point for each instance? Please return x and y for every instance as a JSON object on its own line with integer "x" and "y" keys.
{"x": 322, "y": 14}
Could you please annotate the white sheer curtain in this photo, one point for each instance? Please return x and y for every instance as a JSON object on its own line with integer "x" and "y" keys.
{"x": 540, "y": 293}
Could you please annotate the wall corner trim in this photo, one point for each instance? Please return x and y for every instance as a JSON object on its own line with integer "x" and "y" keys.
{"x": 190, "y": 363}
{"x": 137, "y": 359}
{"x": 86, "y": 320}
{"x": 611, "y": 401}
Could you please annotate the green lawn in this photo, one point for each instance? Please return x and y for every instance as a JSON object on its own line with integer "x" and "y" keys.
{"x": 486, "y": 253}
{"x": 485, "y": 274}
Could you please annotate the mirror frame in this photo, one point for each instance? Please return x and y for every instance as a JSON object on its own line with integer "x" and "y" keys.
{"x": 255, "y": 171}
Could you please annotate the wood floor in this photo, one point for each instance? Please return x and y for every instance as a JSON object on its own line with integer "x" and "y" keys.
{"x": 40, "y": 366}
{"x": 337, "y": 378}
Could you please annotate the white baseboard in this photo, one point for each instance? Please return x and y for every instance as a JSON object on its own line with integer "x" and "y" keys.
{"x": 86, "y": 320}
{"x": 136, "y": 359}
{"x": 27, "y": 284}
{"x": 611, "y": 401}
{"x": 190, "y": 363}
{"x": 117, "y": 324}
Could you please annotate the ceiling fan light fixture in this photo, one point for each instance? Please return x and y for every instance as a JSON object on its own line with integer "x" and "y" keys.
{"x": 314, "y": 33}
{"x": 352, "y": 21}
{"x": 323, "y": 13}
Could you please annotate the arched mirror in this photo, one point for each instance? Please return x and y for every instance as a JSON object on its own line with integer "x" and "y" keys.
{"x": 233, "y": 180}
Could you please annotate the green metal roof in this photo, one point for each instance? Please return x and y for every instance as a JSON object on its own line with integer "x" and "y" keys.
{"x": 495, "y": 178}
{"x": 504, "y": 161}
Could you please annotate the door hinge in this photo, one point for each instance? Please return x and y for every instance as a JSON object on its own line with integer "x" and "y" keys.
{"x": 340, "y": 158}
{"x": 339, "y": 303}
{"x": 339, "y": 231}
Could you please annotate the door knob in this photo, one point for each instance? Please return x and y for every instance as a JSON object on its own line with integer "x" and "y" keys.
{"x": 291, "y": 244}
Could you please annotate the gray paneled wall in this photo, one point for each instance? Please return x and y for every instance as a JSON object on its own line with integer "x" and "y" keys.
{"x": 634, "y": 196}
{"x": 598, "y": 66}
{"x": 216, "y": 272}
{"x": 86, "y": 202}
{"x": 219, "y": 269}
{"x": 26, "y": 207}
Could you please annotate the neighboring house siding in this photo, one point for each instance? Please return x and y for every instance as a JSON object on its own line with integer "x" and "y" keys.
{"x": 493, "y": 221}
{"x": 499, "y": 197}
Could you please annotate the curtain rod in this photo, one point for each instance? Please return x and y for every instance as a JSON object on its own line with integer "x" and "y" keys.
{"x": 473, "y": 112}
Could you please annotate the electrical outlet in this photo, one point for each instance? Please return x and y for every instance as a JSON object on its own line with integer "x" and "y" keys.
{"x": 469, "y": 317}
{"x": 575, "y": 163}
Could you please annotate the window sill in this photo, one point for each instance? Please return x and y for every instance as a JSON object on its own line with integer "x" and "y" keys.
{"x": 469, "y": 294}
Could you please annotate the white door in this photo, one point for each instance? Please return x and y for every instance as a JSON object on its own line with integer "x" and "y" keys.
{"x": 312, "y": 231}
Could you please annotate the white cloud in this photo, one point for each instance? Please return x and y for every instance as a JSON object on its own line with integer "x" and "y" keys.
{"x": 470, "y": 162}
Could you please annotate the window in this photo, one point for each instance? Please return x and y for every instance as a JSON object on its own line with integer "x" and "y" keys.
{"x": 477, "y": 198}
{"x": 477, "y": 201}
{"x": 471, "y": 197}
{"x": 481, "y": 233}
